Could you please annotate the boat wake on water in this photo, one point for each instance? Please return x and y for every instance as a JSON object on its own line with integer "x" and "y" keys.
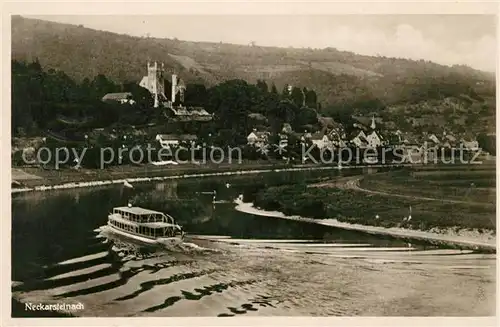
{"x": 123, "y": 245}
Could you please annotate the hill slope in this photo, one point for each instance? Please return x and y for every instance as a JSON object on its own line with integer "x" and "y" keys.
{"x": 341, "y": 79}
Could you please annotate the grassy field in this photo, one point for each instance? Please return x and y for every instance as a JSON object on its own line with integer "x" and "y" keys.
{"x": 464, "y": 185}
{"x": 355, "y": 206}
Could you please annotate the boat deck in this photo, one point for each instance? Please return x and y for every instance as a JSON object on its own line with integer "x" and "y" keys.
{"x": 157, "y": 224}
{"x": 138, "y": 211}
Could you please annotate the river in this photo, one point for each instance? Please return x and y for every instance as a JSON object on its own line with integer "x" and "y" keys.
{"x": 232, "y": 263}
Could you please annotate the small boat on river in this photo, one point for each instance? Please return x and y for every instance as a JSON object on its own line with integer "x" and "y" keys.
{"x": 148, "y": 226}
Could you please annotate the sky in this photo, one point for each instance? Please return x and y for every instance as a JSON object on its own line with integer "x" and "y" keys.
{"x": 444, "y": 39}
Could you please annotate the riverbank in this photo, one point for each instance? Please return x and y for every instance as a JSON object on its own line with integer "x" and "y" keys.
{"x": 69, "y": 179}
{"x": 36, "y": 179}
{"x": 475, "y": 241}
{"x": 449, "y": 204}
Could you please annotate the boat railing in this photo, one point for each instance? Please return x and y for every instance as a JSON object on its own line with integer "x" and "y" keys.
{"x": 168, "y": 218}
{"x": 164, "y": 217}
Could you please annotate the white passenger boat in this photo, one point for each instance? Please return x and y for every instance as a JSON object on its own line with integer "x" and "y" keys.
{"x": 148, "y": 226}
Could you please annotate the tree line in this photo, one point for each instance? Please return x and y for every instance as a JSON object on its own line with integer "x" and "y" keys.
{"x": 40, "y": 98}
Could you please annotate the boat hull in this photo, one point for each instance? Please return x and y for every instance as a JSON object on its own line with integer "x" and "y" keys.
{"x": 151, "y": 241}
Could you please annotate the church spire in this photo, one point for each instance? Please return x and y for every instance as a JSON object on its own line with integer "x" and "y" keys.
{"x": 372, "y": 126}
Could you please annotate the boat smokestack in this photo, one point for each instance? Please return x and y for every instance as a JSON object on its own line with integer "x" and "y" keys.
{"x": 174, "y": 86}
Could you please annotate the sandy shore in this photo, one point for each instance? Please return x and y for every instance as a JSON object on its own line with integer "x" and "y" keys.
{"x": 472, "y": 240}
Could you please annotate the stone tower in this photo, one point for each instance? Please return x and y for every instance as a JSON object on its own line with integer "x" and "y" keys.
{"x": 155, "y": 82}
{"x": 174, "y": 87}
{"x": 178, "y": 90}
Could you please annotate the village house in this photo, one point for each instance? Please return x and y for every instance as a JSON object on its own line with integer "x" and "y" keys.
{"x": 446, "y": 144}
{"x": 329, "y": 138}
{"x": 374, "y": 139}
{"x": 431, "y": 141}
{"x": 449, "y": 141}
{"x": 336, "y": 133}
{"x": 434, "y": 139}
{"x": 337, "y": 139}
{"x": 472, "y": 145}
{"x": 173, "y": 140}
{"x": 284, "y": 136}
{"x": 121, "y": 98}
{"x": 341, "y": 143}
{"x": 321, "y": 140}
{"x": 181, "y": 113}
{"x": 412, "y": 148}
{"x": 360, "y": 140}
{"x": 410, "y": 139}
{"x": 305, "y": 137}
{"x": 395, "y": 139}
{"x": 258, "y": 139}
{"x": 370, "y": 139}
{"x": 287, "y": 128}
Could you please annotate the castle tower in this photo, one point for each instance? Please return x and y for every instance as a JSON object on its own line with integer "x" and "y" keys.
{"x": 178, "y": 90}
{"x": 154, "y": 82}
{"x": 174, "y": 87}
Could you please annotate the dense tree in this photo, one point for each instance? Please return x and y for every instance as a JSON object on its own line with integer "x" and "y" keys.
{"x": 262, "y": 85}
{"x": 311, "y": 99}
{"x": 231, "y": 102}
{"x": 40, "y": 98}
{"x": 102, "y": 85}
{"x": 303, "y": 117}
{"x": 284, "y": 112}
{"x": 142, "y": 96}
{"x": 341, "y": 114}
{"x": 53, "y": 101}
{"x": 297, "y": 97}
{"x": 285, "y": 93}
{"x": 487, "y": 143}
{"x": 195, "y": 95}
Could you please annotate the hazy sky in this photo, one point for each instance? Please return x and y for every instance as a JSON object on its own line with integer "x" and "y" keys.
{"x": 445, "y": 39}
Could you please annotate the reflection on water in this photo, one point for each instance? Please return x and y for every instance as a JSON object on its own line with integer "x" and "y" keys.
{"x": 231, "y": 263}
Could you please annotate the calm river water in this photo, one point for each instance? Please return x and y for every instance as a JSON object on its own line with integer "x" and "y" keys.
{"x": 232, "y": 263}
